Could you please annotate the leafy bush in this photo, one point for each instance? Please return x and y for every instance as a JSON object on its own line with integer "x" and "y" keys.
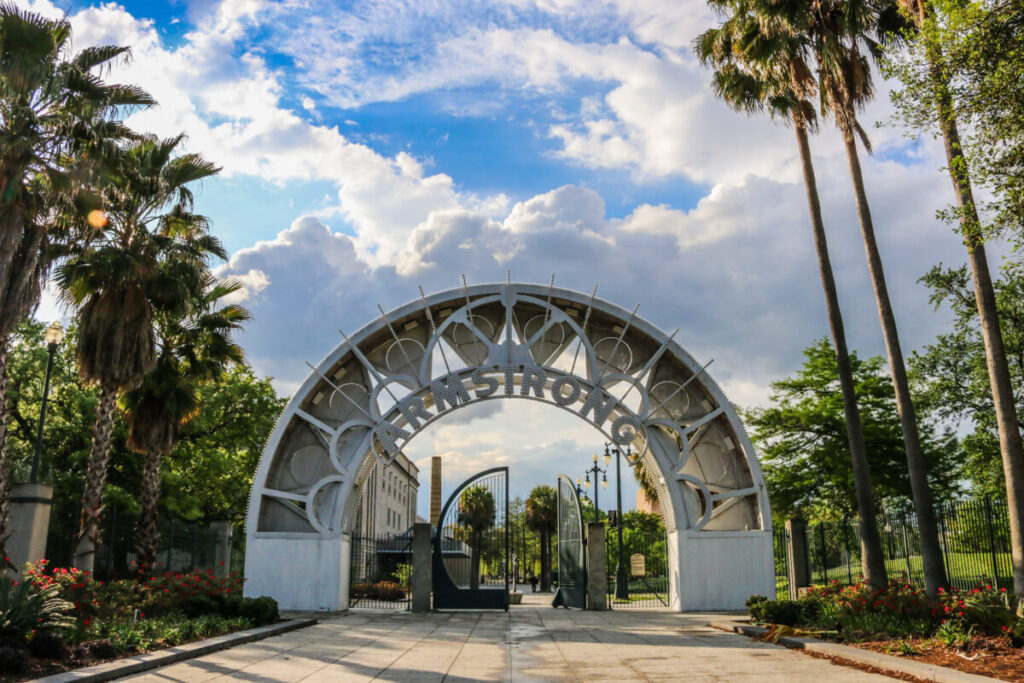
{"x": 782, "y": 612}
{"x": 45, "y": 645}
{"x": 146, "y": 634}
{"x": 96, "y": 649}
{"x": 74, "y": 585}
{"x": 24, "y": 610}
{"x": 260, "y": 611}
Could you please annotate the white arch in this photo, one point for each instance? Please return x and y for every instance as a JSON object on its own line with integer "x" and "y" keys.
{"x": 380, "y": 387}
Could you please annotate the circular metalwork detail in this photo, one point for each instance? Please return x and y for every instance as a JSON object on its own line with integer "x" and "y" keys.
{"x": 455, "y": 348}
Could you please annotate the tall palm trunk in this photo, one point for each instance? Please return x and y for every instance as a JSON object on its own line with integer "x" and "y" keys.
{"x": 1011, "y": 448}
{"x": 474, "y": 562}
{"x": 545, "y": 561}
{"x": 5, "y": 479}
{"x": 871, "y": 559}
{"x": 95, "y": 479}
{"x": 924, "y": 506}
{"x": 147, "y": 535}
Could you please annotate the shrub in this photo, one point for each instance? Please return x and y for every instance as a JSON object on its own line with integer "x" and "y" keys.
{"x": 46, "y": 645}
{"x": 23, "y": 610}
{"x": 782, "y": 612}
{"x": 98, "y": 649}
{"x": 260, "y": 611}
{"x": 753, "y": 600}
{"x": 13, "y": 659}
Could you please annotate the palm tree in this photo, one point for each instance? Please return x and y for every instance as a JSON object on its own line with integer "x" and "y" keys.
{"x": 1010, "y": 445}
{"x": 52, "y": 109}
{"x": 476, "y": 513}
{"x": 840, "y": 32}
{"x": 542, "y": 517}
{"x": 149, "y": 258}
{"x": 761, "y": 69}
{"x": 192, "y": 350}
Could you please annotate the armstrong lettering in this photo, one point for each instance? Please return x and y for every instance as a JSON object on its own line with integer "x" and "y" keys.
{"x": 468, "y": 386}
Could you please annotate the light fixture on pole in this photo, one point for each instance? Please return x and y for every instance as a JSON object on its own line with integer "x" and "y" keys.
{"x": 54, "y": 335}
{"x": 593, "y": 472}
{"x": 621, "y": 580}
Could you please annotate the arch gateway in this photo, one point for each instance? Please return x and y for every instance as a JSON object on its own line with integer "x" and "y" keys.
{"x": 383, "y": 385}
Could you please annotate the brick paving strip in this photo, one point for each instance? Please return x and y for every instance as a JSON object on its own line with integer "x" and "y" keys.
{"x": 151, "y": 660}
{"x": 922, "y": 670}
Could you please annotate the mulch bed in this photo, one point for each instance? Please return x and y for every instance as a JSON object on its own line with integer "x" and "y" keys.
{"x": 983, "y": 655}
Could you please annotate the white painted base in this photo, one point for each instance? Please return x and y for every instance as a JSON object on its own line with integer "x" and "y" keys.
{"x": 719, "y": 570}
{"x": 300, "y": 572}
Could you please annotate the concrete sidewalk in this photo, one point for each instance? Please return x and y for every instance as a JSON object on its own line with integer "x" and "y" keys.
{"x": 526, "y": 644}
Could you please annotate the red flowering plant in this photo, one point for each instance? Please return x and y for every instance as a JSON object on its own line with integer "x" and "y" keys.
{"x": 193, "y": 593}
{"x": 74, "y": 585}
{"x": 983, "y": 607}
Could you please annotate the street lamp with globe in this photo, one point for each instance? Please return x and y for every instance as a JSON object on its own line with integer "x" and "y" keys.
{"x": 54, "y": 335}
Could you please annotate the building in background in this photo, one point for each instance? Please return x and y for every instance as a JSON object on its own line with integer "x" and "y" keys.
{"x": 388, "y": 501}
{"x": 645, "y": 504}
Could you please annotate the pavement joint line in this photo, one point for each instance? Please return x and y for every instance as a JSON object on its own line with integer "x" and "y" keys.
{"x": 911, "y": 667}
{"x": 408, "y": 650}
{"x": 469, "y": 635}
{"x": 353, "y": 650}
{"x": 172, "y": 655}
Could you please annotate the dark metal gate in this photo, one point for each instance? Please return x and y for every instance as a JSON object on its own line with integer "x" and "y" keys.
{"x": 572, "y": 572}
{"x": 471, "y": 545}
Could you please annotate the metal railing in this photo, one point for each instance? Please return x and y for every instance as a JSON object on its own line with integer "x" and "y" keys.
{"x": 183, "y": 547}
{"x": 974, "y": 536}
{"x": 645, "y": 555}
{"x": 381, "y": 572}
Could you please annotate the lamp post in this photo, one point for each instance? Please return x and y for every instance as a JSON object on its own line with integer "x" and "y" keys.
{"x": 593, "y": 471}
{"x": 621, "y": 580}
{"x": 54, "y": 335}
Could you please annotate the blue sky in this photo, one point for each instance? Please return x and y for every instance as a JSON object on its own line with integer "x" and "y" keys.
{"x": 370, "y": 147}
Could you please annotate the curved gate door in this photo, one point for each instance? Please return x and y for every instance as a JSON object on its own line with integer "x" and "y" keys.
{"x": 471, "y": 545}
{"x": 572, "y": 573}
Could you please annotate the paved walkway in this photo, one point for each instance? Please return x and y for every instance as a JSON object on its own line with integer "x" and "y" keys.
{"x": 527, "y": 644}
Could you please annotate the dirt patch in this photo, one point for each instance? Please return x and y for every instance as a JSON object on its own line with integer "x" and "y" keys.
{"x": 982, "y": 655}
{"x": 864, "y": 667}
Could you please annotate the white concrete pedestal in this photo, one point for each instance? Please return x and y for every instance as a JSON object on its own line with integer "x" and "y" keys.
{"x": 719, "y": 570}
{"x": 29, "y": 522}
{"x": 300, "y": 571}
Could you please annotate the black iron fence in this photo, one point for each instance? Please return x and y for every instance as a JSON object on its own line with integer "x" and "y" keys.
{"x": 974, "y": 536}
{"x": 183, "y": 547}
{"x": 645, "y": 565}
{"x": 381, "y": 572}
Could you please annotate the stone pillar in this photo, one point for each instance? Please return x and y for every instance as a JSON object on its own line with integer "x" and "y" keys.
{"x": 797, "y": 561}
{"x": 421, "y": 567}
{"x": 222, "y": 552}
{"x": 435, "y": 490}
{"x": 29, "y": 522}
{"x": 597, "y": 567}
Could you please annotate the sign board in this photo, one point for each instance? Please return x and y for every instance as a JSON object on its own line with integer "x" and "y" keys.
{"x": 636, "y": 565}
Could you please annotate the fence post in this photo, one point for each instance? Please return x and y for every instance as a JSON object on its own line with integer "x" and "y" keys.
{"x": 597, "y": 567}
{"x": 945, "y": 543}
{"x": 846, "y": 549}
{"x": 222, "y": 549}
{"x": 170, "y": 546}
{"x": 992, "y": 542}
{"x": 797, "y": 561}
{"x": 906, "y": 547}
{"x": 824, "y": 552}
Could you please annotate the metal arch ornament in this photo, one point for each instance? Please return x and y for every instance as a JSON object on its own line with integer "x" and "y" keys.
{"x": 390, "y": 380}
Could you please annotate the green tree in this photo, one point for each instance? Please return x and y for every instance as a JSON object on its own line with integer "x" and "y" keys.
{"x": 951, "y": 375}
{"x": 205, "y": 478}
{"x": 150, "y": 257}
{"x": 52, "y": 107}
{"x": 194, "y": 349}
{"x": 542, "y": 517}
{"x": 802, "y": 440}
{"x": 761, "y": 66}
{"x": 964, "y": 65}
{"x": 476, "y": 513}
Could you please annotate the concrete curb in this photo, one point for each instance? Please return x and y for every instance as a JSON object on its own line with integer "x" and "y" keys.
{"x": 133, "y": 665}
{"x": 928, "y": 672}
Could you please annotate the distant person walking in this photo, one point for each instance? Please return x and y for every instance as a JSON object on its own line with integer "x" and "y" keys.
{"x": 533, "y": 582}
